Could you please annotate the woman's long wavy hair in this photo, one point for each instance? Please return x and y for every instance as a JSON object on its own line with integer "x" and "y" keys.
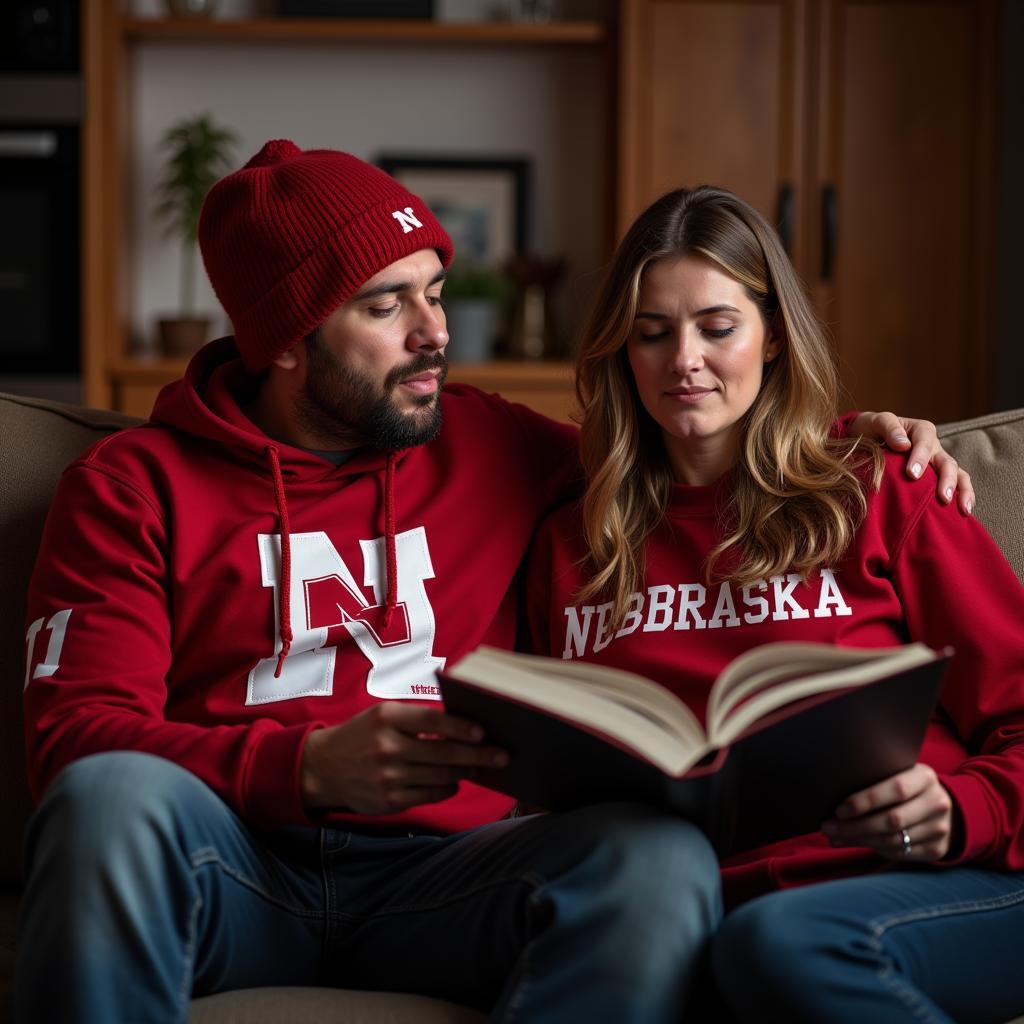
{"x": 797, "y": 494}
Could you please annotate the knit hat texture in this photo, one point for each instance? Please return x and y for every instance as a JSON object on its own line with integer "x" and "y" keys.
{"x": 294, "y": 233}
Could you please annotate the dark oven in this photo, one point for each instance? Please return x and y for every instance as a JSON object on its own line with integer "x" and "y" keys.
{"x": 39, "y": 248}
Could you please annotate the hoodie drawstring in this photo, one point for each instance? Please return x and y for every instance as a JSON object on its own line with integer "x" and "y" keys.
{"x": 390, "y": 548}
{"x": 284, "y": 610}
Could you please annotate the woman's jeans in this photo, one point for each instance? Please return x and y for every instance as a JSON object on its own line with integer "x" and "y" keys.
{"x": 921, "y": 945}
{"x": 144, "y": 889}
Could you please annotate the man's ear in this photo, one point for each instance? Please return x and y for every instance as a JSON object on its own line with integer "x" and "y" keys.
{"x": 289, "y": 360}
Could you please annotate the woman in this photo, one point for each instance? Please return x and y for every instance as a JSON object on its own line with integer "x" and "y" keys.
{"x": 720, "y": 506}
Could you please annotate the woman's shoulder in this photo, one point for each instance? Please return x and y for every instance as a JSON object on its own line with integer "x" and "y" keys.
{"x": 903, "y": 504}
{"x": 898, "y": 486}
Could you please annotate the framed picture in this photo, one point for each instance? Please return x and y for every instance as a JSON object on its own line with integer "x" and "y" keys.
{"x": 482, "y": 203}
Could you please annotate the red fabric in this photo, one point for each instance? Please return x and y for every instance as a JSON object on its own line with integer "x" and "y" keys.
{"x": 293, "y": 234}
{"x": 917, "y": 570}
{"x": 162, "y": 541}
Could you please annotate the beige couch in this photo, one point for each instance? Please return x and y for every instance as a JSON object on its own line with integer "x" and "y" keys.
{"x": 37, "y": 439}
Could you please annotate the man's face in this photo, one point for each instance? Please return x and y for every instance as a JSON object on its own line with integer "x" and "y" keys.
{"x": 374, "y": 369}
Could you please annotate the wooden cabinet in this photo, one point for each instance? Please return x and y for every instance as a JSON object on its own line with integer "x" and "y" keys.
{"x": 868, "y": 124}
{"x": 711, "y": 93}
{"x": 906, "y": 140}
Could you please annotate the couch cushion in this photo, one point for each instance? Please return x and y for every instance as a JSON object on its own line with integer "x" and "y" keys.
{"x": 991, "y": 449}
{"x": 39, "y": 439}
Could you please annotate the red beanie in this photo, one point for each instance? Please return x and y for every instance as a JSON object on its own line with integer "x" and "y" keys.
{"x": 293, "y": 234}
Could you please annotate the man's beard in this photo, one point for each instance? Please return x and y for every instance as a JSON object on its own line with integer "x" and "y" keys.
{"x": 344, "y": 407}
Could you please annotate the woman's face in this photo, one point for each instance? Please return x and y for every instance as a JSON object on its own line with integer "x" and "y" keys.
{"x": 697, "y": 350}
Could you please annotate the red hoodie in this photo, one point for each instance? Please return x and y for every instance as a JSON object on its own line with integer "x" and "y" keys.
{"x": 155, "y": 620}
{"x": 916, "y": 570}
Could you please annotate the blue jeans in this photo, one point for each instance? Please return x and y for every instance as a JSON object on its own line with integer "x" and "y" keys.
{"x": 921, "y": 945}
{"x": 144, "y": 888}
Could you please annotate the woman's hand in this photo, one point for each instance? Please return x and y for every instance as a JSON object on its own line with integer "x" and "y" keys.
{"x": 908, "y": 816}
{"x": 921, "y": 439}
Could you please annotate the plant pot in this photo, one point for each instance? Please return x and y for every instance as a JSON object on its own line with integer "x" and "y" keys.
{"x": 472, "y": 330}
{"x": 183, "y": 337}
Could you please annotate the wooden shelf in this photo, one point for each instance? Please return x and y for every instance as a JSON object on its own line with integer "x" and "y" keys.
{"x": 325, "y": 30}
{"x": 544, "y": 386}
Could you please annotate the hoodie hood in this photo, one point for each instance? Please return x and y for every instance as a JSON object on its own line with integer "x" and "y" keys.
{"x": 203, "y": 404}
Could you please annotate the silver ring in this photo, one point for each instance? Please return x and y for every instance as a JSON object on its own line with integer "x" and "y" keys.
{"x": 907, "y": 845}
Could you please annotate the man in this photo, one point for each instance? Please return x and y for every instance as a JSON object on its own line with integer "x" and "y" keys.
{"x": 257, "y": 587}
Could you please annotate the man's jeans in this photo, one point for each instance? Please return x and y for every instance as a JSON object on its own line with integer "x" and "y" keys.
{"x": 921, "y": 945}
{"x": 144, "y": 889}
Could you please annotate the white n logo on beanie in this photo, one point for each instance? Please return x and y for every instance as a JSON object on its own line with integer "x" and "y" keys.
{"x": 407, "y": 219}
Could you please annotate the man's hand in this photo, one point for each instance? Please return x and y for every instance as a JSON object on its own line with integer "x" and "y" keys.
{"x": 906, "y": 817}
{"x": 390, "y": 757}
{"x": 921, "y": 439}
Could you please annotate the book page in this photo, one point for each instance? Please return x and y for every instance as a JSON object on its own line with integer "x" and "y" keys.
{"x": 630, "y": 688}
{"x": 774, "y": 675}
{"x": 773, "y": 663}
{"x": 642, "y": 694}
{"x": 631, "y": 709}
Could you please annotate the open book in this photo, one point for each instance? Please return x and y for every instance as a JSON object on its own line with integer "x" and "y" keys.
{"x": 792, "y": 729}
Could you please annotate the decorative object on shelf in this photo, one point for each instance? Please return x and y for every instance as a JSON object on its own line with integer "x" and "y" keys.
{"x": 476, "y": 299}
{"x": 532, "y": 335}
{"x": 191, "y": 8}
{"x": 198, "y": 153}
{"x": 482, "y": 203}
{"x": 356, "y": 8}
{"x": 532, "y": 10}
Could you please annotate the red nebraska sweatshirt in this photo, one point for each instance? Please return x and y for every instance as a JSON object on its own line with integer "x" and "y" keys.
{"x": 159, "y": 603}
{"x": 917, "y": 570}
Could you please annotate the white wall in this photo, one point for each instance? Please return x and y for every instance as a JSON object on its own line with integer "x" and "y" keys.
{"x": 549, "y": 104}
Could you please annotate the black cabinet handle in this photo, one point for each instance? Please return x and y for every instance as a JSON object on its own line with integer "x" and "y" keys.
{"x": 785, "y": 218}
{"x": 829, "y": 229}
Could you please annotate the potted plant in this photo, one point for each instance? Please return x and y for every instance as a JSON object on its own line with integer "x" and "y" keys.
{"x": 475, "y": 297}
{"x": 198, "y": 153}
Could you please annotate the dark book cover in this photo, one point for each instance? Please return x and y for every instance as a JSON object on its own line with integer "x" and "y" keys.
{"x": 783, "y": 777}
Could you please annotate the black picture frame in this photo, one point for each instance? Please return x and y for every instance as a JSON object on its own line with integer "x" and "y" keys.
{"x": 482, "y": 202}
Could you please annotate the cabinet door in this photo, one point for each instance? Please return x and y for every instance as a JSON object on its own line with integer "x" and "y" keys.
{"x": 905, "y": 144}
{"x": 712, "y": 93}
